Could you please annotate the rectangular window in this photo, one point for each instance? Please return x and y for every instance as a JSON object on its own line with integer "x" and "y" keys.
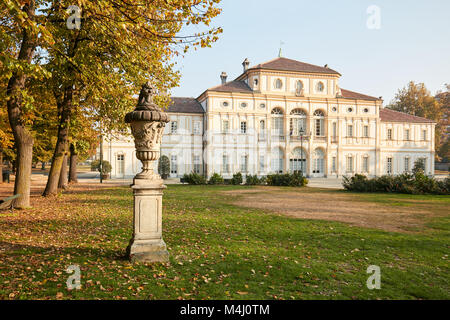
{"x": 243, "y": 127}
{"x": 244, "y": 164}
{"x": 407, "y": 164}
{"x": 389, "y": 134}
{"x": 173, "y": 165}
{"x": 424, "y": 135}
{"x": 366, "y": 131}
{"x": 173, "y": 127}
{"x": 197, "y": 127}
{"x": 334, "y": 129}
{"x": 197, "y": 164}
{"x": 349, "y": 164}
{"x": 261, "y": 163}
{"x": 365, "y": 164}
{"x": 333, "y": 164}
{"x": 407, "y": 137}
{"x": 277, "y": 125}
{"x": 350, "y": 130}
{"x": 389, "y": 166}
{"x": 225, "y": 164}
{"x": 225, "y": 126}
{"x": 319, "y": 127}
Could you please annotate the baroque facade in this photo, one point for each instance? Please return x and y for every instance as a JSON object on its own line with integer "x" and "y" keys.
{"x": 282, "y": 116}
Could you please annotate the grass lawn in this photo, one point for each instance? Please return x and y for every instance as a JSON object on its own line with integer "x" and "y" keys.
{"x": 219, "y": 250}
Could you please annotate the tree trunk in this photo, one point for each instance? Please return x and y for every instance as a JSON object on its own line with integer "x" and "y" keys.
{"x": 73, "y": 165}
{"x": 62, "y": 183}
{"x": 22, "y": 137}
{"x": 61, "y": 144}
{"x": 1, "y": 166}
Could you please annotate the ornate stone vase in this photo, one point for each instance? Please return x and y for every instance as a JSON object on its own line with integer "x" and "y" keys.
{"x": 147, "y": 125}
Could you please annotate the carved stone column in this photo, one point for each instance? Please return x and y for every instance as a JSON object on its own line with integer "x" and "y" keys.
{"x": 147, "y": 126}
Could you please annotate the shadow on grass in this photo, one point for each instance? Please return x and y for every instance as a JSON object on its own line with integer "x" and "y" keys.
{"x": 15, "y": 249}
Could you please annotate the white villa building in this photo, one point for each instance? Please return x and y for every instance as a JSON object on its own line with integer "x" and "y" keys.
{"x": 280, "y": 116}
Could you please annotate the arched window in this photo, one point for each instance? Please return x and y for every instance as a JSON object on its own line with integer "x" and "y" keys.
{"x": 318, "y": 161}
{"x": 277, "y": 160}
{"x": 320, "y": 86}
{"x": 299, "y": 87}
{"x": 319, "y": 118}
{"x": 277, "y": 122}
{"x": 298, "y": 122}
{"x": 298, "y": 112}
{"x": 297, "y": 162}
{"x": 277, "y": 111}
{"x": 278, "y": 84}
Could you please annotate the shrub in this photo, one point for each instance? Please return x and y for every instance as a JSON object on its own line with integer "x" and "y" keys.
{"x": 417, "y": 183}
{"x": 419, "y": 166}
{"x": 237, "y": 179}
{"x": 194, "y": 178}
{"x": 252, "y": 180}
{"x": 216, "y": 179}
{"x": 164, "y": 167}
{"x": 94, "y": 165}
{"x": 295, "y": 179}
{"x": 106, "y": 167}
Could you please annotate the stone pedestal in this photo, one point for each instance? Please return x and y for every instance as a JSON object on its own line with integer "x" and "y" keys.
{"x": 147, "y": 244}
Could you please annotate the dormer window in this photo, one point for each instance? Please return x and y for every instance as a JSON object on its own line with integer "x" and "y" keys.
{"x": 255, "y": 82}
{"x": 320, "y": 86}
{"x": 278, "y": 84}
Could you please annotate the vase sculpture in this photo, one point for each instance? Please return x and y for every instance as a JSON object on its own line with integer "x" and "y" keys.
{"x": 147, "y": 123}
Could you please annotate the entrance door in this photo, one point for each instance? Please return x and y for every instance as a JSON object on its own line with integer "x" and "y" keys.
{"x": 297, "y": 162}
{"x": 318, "y": 163}
{"x": 120, "y": 172}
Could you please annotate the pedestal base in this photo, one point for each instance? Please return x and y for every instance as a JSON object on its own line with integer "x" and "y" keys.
{"x": 147, "y": 244}
{"x": 147, "y": 251}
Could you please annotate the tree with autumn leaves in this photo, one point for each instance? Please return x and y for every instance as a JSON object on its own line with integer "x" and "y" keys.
{"x": 93, "y": 69}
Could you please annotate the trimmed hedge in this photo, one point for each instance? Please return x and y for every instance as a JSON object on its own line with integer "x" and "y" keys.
{"x": 417, "y": 183}
{"x": 253, "y": 180}
{"x": 194, "y": 178}
{"x": 295, "y": 179}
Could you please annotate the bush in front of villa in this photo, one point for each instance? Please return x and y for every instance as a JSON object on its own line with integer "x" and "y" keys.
{"x": 216, "y": 179}
{"x": 295, "y": 179}
{"x": 253, "y": 180}
{"x": 194, "y": 178}
{"x": 417, "y": 183}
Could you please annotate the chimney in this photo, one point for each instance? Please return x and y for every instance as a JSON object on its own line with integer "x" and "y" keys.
{"x": 223, "y": 77}
{"x": 245, "y": 64}
{"x": 325, "y": 66}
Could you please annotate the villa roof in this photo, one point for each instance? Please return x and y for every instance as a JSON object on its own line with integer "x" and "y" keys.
{"x": 347, "y": 94}
{"x": 388, "y": 115}
{"x": 232, "y": 86}
{"x": 185, "y": 105}
{"x": 285, "y": 64}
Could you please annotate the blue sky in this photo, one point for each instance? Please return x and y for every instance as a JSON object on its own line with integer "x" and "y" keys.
{"x": 413, "y": 42}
